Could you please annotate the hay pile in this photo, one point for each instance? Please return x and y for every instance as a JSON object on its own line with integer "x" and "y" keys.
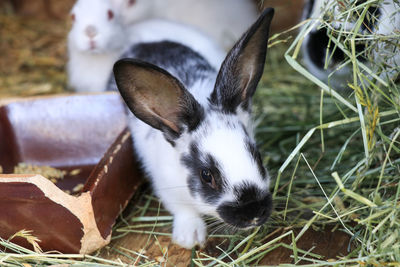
{"x": 334, "y": 158}
{"x": 33, "y": 56}
{"x": 342, "y": 162}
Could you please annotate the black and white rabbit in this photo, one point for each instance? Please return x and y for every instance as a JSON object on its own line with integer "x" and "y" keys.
{"x": 193, "y": 133}
{"x": 382, "y": 19}
{"x": 98, "y": 38}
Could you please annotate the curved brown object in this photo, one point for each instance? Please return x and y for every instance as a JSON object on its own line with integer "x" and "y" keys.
{"x": 113, "y": 182}
{"x": 23, "y": 203}
{"x": 62, "y": 222}
{"x": 85, "y": 132}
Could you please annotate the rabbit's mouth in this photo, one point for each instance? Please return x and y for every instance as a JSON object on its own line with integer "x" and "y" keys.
{"x": 92, "y": 45}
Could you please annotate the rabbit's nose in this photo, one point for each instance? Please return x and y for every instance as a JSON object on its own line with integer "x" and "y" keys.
{"x": 91, "y": 31}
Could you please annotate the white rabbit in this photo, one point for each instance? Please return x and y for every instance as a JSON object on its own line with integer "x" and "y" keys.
{"x": 97, "y": 39}
{"x": 382, "y": 19}
{"x": 224, "y": 20}
{"x": 95, "y": 42}
{"x": 192, "y": 130}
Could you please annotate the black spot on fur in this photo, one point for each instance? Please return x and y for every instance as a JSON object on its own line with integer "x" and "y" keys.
{"x": 255, "y": 154}
{"x": 317, "y": 45}
{"x": 317, "y": 48}
{"x": 251, "y": 208}
{"x": 179, "y": 60}
{"x": 195, "y": 162}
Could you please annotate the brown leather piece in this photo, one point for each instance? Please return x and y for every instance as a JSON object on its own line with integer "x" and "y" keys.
{"x": 24, "y": 206}
{"x": 113, "y": 182}
{"x": 85, "y": 132}
{"x": 65, "y": 131}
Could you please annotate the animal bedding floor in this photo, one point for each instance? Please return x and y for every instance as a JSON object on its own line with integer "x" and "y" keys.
{"x": 33, "y": 63}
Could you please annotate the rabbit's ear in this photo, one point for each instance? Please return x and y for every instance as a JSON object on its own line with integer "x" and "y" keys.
{"x": 156, "y": 97}
{"x": 243, "y": 66}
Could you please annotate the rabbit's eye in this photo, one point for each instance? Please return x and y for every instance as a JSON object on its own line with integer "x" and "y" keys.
{"x": 110, "y": 14}
{"x": 131, "y": 2}
{"x": 208, "y": 178}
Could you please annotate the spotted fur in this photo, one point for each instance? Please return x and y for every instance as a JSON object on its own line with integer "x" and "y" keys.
{"x": 188, "y": 118}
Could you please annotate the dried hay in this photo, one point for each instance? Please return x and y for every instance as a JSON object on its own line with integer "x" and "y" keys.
{"x": 33, "y": 56}
{"x": 334, "y": 158}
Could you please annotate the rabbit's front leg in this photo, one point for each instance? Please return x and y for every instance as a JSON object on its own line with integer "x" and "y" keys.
{"x": 171, "y": 187}
{"x": 189, "y": 229}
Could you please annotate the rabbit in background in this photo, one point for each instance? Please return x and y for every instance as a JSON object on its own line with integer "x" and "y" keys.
{"x": 192, "y": 130}
{"x": 223, "y": 20}
{"x": 92, "y": 45}
{"x": 382, "y": 19}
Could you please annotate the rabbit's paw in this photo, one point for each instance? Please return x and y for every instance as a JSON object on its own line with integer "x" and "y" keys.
{"x": 189, "y": 231}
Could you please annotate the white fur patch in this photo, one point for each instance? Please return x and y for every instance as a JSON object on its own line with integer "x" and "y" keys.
{"x": 225, "y": 140}
{"x": 223, "y": 20}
